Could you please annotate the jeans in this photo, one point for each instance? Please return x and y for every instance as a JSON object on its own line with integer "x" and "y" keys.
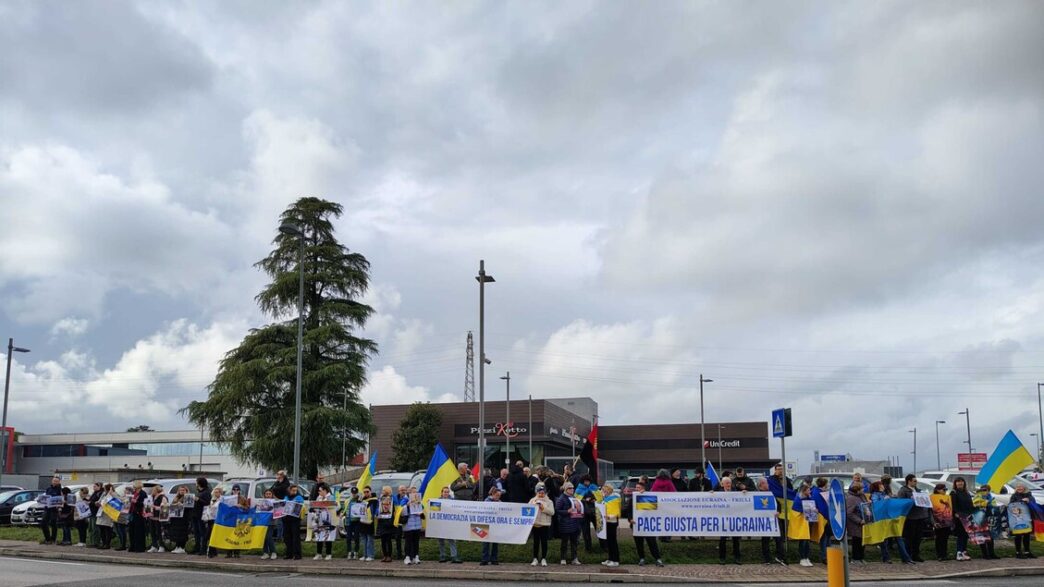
{"x": 198, "y": 529}
{"x": 540, "y": 541}
{"x": 368, "y": 548}
{"x": 270, "y": 544}
{"x": 49, "y": 525}
{"x": 121, "y": 534}
{"x": 824, "y": 544}
{"x": 803, "y": 548}
{"x": 961, "y": 534}
{"x": 903, "y": 554}
{"x": 489, "y": 552}
{"x": 66, "y": 534}
{"x": 451, "y": 547}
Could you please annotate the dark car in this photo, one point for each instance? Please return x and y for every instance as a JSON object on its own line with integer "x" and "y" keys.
{"x": 9, "y": 499}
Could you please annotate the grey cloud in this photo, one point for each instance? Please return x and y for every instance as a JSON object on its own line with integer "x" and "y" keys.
{"x": 95, "y": 57}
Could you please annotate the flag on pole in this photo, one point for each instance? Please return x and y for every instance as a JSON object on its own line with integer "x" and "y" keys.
{"x": 1008, "y": 459}
{"x": 712, "y": 476}
{"x": 441, "y": 473}
{"x": 589, "y": 454}
{"x": 368, "y": 473}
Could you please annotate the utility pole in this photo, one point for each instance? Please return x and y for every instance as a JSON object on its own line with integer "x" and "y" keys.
{"x": 914, "y": 471}
{"x": 967, "y": 420}
{"x": 938, "y": 451}
{"x": 469, "y": 371}
{"x": 483, "y": 279}
{"x": 703, "y": 425}
{"x": 507, "y": 421}
{"x": 11, "y": 349}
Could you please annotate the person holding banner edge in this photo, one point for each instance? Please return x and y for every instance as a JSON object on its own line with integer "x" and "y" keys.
{"x": 641, "y": 541}
{"x": 726, "y": 485}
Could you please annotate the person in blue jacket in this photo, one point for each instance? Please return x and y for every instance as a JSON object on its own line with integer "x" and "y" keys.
{"x": 570, "y": 513}
{"x": 819, "y": 493}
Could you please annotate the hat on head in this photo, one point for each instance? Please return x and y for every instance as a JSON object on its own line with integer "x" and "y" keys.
{"x": 540, "y": 487}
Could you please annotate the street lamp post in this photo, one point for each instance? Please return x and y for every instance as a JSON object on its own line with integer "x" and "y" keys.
{"x": 703, "y": 425}
{"x": 11, "y": 349}
{"x": 914, "y": 471}
{"x": 530, "y": 430}
{"x": 720, "y": 466}
{"x": 967, "y": 420}
{"x": 938, "y": 451}
{"x": 1040, "y": 417}
{"x": 1036, "y": 441}
{"x": 296, "y": 231}
{"x": 507, "y": 420}
{"x": 482, "y": 279}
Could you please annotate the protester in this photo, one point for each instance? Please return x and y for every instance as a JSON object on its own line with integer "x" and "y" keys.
{"x": 49, "y": 523}
{"x": 679, "y": 481}
{"x": 102, "y": 520}
{"x": 207, "y": 517}
{"x": 726, "y": 485}
{"x": 366, "y": 522}
{"x": 155, "y": 508}
{"x": 517, "y": 484}
{"x": 324, "y": 532}
{"x": 531, "y": 482}
{"x": 569, "y": 512}
{"x": 913, "y": 527}
{"x": 281, "y": 487}
{"x": 962, "y": 507}
{"x": 82, "y": 522}
{"x": 320, "y": 482}
{"x": 612, "y": 523}
{"x": 199, "y": 525}
{"x": 662, "y": 482}
{"x": 292, "y": 526}
{"x": 854, "y": 501}
{"x": 177, "y": 529}
{"x": 819, "y": 493}
{"x": 542, "y": 525}
{"x": 699, "y": 481}
{"x": 386, "y": 527}
{"x": 879, "y": 492}
{"x": 780, "y": 486}
{"x": 1022, "y": 541}
{"x": 983, "y": 499}
{"x": 491, "y": 549}
{"x": 741, "y": 482}
{"x": 448, "y": 546}
{"x": 641, "y": 541}
{"x": 413, "y": 512}
{"x": 349, "y": 497}
{"x": 805, "y": 493}
{"x": 463, "y": 487}
{"x": 93, "y": 532}
{"x": 942, "y": 519}
{"x": 240, "y": 501}
{"x": 136, "y": 521}
{"x": 268, "y": 549}
{"x": 586, "y": 493}
{"x": 65, "y": 518}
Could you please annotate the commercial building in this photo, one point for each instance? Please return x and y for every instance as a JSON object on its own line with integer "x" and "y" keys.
{"x": 631, "y": 449}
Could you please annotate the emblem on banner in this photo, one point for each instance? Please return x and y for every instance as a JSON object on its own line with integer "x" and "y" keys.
{"x": 645, "y": 502}
{"x": 764, "y": 502}
{"x": 528, "y": 511}
{"x": 434, "y": 506}
{"x": 481, "y": 531}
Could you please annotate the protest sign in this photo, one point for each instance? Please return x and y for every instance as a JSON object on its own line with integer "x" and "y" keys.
{"x": 705, "y": 514}
{"x": 480, "y": 521}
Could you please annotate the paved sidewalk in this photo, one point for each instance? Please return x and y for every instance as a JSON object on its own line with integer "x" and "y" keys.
{"x": 751, "y": 573}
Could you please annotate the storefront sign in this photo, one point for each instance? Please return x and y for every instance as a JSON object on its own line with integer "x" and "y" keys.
{"x": 510, "y": 430}
{"x": 705, "y": 514}
{"x": 970, "y": 461}
{"x": 480, "y": 521}
{"x": 723, "y": 443}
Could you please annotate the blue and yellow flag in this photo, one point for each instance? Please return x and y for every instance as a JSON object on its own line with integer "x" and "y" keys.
{"x": 645, "y": 502}
{"x": 612, "y": 505}
{"x": 368, "y": 473}
{"x": 798, "y": 526}
{"x": 441, "y": 473}
{"x": 1007, "y": 460}
{"x": 239, "y": 529}
{"x": 112, "y": 508}
{"x": 889, "y": 516}
{"x": 712, "y": 476}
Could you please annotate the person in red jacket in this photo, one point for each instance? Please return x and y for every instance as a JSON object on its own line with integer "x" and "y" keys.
{"x": 662, "y": 482}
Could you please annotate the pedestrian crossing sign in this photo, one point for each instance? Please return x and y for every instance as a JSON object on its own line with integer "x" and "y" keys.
{"x": 781, "y": 427}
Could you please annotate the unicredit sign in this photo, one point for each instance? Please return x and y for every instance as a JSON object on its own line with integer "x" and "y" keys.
{"x": 723, "y": 444}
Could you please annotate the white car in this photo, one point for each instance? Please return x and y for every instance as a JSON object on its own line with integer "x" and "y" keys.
{"x": 20, "y": 515}
{"x": 1001, "y": 495}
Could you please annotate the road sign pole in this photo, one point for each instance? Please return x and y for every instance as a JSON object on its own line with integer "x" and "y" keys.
{"x": 785, "y": 528}
{"x": 844, "y": 553}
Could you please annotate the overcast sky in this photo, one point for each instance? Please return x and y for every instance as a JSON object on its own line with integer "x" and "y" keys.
{"x": 831, "y": 206}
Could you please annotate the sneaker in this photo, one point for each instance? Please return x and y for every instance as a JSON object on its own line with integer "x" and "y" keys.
{"x": 659, "y": 563}
{"x": 494, "y": 563}
{"x": 408, "y": 560}
{"x": 641, "y": 562}
{"x": 160, "y": 549}
{"x": 562, "y": 562}
{"x": 416, "y": 560}
{"x": 317, "y": 557}
{"x": 82, "y": 544}
{"x": 483, "y": 563}
{"x": 613, "y": 564}
{"x": 329, "y": 556}
{"x": 805, "y": 562}
{"x": 1028, "y": 554}
{"x": 456, "y": 561}
{"x": 605, "y": 563}
{"x": 543, "y": 562}
{"x": 151, "y": 550}
{"x": 779, "y": 561}
{"x": 576, "y": 561}
{"x": 535, "y": 563}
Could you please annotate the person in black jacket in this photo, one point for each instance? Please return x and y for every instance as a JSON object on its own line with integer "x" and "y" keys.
{"x": 281, "y": 486}
{"x": 517, "y": 485}
{"x": 913, "y": 527}
{"x": 699, "y": 482}
{"x": 136, "y": 523}
{"x": 680, "y": 483}
{"x": 49, "y": 523}
{"x": 93, "y": 534}
{"x": 962, "y": 506}
{"x": 320, "y": 481}
{"x": 199, "y": 526}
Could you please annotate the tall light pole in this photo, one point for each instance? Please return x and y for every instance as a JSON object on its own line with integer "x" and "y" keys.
{"x": 703, "y": 426}
{"x": 967, "y": 420}
{"x": 1040, "y": 417}
{"x": 914, "y": 471}
{"x": 296, "y": 231}
{"x": 720, "y": 466}
{"x": 507, "y": 420}
{"x": 11, "y": 349}
{"x": 1036, "y": 441}
{"x": 483, "y": 279}
{"x": 938, "y": 451}
{"x": 530, "y": 430}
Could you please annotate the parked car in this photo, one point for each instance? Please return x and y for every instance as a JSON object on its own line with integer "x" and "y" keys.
{"x": 20, "y": 515}
{"x": 10, "y": 499}
{"x": 171, "y": 486}
{"x": 6, "y": 488}
{"x": 1002, "y": 494}
{"x": 392, "y": 479}
{"x": 254, "y": 487}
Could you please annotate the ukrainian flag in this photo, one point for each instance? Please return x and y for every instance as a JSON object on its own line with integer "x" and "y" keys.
{"x": 612, "y": 505}
{"x": 441, "y": 473}
{"x": 368, "y": 473}
{"x": 112, "y": 508}
{"x": 798, "y": 526}
{"x": 236, "y": 529}
{"x": 645, "y": 502}
{"x": 1007, "y": 460}
{"x": 889, "y": 517}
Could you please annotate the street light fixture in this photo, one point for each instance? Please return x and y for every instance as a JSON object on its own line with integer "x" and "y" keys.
{"x": 295, "y": 231}
{"x": 483, "y": 278}
{"x": 938, "y": 452}
{"x": 703, "y": 431}
{"x": 11, "y": 349}
{"x": 720, "y": 466}
{"x": 967, "y": 420}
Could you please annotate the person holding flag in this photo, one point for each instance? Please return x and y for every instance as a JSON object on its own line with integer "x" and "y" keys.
{"x": 783, "y": 490}
{"x": 1022, "y": 538}
{"x": 441, "y": 473}
{"x": 611, "y": 501}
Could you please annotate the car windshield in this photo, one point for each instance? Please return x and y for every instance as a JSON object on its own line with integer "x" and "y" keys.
{"x": 8, "y": 495}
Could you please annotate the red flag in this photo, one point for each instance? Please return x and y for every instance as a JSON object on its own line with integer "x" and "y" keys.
{"x": 589, "y": 454}
{"x": 476, "y": 473}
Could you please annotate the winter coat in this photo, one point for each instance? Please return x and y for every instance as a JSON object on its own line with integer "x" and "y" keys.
{"x": 854, "y": 514}
{"x": 962, "y": 503}
{"x": 544, "y": 515}
{"x": 281, "y": 488}
{"x": 662, "y": 485}
{"x": 564, "y": 509}
{"x": 517, "y": 486}
{"x": 463, "y": 488}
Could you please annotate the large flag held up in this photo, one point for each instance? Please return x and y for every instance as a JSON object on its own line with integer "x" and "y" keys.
{"x": 239, "y": 529}
{"x": 441, "y": 473}
{"x": 368, "y": 473}
{"x": 889, "y": 516}
{"x": 1008, "y": 459}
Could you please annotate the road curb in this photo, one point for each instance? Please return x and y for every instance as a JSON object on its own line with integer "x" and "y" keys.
{"x": 435, "y": 571}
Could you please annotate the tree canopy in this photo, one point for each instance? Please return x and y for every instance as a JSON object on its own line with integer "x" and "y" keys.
{"x": 250, "y": 403}
{"x": 414, "y": 441}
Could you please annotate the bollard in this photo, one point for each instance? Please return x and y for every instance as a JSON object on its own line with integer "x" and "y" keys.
{"x": 836, "y": 567}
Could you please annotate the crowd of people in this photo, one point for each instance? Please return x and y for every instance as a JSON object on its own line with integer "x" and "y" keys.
{"x": 566, "y": 511}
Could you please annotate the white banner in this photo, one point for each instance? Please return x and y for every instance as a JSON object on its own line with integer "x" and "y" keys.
{"x": 721, "y": 513}
{"x": 480, "y": 521}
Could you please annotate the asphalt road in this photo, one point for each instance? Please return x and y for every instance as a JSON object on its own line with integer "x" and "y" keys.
{"x": 21, "y": 572}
